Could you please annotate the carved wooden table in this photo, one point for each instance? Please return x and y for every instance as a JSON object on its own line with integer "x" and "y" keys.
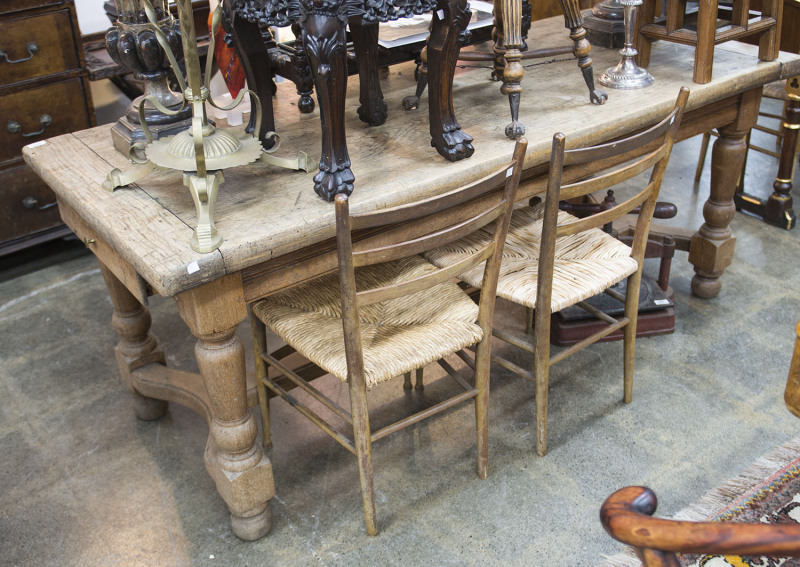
{"x": 278, "y": 232}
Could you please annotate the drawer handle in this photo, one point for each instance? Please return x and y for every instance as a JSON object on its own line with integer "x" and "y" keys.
{"x": 32, "y": 48}
{"x": 32, "y": 203}
{"x": 45, "y": 120}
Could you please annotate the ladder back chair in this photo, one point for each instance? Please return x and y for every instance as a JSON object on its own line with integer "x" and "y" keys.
{"x": 553, "y": 260}
{"x": 388, "y": 312}
{"x": 627, "y": 517}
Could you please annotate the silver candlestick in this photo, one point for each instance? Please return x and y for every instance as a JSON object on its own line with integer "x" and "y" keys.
{"x": 627, "y": 74}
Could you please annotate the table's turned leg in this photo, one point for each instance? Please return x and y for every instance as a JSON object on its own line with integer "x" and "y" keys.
{"x": 137, "y": 347}
{"x": 365, "y": 42}
{"x": 326, "y": 44}
{"x": 711, "y": 249}
{"x": 450, "y": 18}
{"x": 241, "y": 471}
{"x": 778, "y": 208}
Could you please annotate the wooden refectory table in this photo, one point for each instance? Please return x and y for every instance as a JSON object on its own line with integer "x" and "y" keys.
{"x": 278, "y": 232}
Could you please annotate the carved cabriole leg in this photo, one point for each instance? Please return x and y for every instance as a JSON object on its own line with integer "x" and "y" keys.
{"x": 325, "y": 42}
{"x": 711, "y": 249}
{"x": 778, "y": 208}
{"x": 241, "y": 471}
{"x": 582, "y": 49}
{"x": 365, "y": 41}
{"x": 137, "y": 347}
{"x": 249, "y": 43}
{"x": 443, "y": 47}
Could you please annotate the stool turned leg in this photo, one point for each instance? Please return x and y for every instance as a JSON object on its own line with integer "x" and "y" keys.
{"x": 778, "y": 209}
{"x": 137, "y": 347}
{"x": 407, "y": 382}
{"x": 513, "y": 72}
{"x": 412, "y": 102}
{"x": 582, "y": 48}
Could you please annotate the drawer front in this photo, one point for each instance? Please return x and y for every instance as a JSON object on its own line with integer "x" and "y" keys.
{"x": 41, "y": 45}
{"x": 26, "y": 112}
{"x": 12, "y": 6}
{"x": 23, "y": 193}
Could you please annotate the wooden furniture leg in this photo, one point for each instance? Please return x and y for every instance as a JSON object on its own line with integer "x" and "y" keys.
{"x": 241, "y": 471}
{"x": 326, "y": 44}
{"x": 582, "y": 49}
{"x": 711, "y": 250}
{"x": 373, "y": 109}
{"x": 137, "y": 347}
{"x": 704, "y": 51}
{"x": 508, "y": 57}
{"x": 248, "y": 41}
{"x": 779, "y": 205}
{"x": 449, "y": 20}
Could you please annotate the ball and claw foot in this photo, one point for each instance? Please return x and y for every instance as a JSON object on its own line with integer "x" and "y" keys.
{"x": 457, "y": 145}
{"x": 329, "y": 184}
{"x": 374, "y": 113}
{"x": 515, "y": 130}
{"x": 411, "y": 102}
{"x": 598, "y": 96}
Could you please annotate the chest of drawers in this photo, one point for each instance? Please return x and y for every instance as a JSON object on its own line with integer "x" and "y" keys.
{"x": 44, "y": 92}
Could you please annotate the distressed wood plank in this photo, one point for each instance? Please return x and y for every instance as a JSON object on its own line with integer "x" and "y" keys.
{"x": 265, "y": 213}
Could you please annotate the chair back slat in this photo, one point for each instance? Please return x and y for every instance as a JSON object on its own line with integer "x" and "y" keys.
{"x": 607, "y": 216}
{"x": 412, "y": 211}
{"x": 429, "y": 241}
{"x": 625, "y": 145}
{"x": 437, "y": 277}
{"x": 612, "y": 177}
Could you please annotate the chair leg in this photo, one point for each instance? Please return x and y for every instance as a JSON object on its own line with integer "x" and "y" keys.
{"x": 528, "y": 320}
{"x": 259, "y": 346}
{"x": 482, "y": 365}
{"x": 419, "y": 385}
{"x": 541, "y": 369}
{"x": 363, "y": 443}
{"x": 701, "y": 160}
{"x": 629, "y": 333}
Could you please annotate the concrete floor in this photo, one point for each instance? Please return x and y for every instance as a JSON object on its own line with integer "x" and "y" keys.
{"x": 85, "y": 483}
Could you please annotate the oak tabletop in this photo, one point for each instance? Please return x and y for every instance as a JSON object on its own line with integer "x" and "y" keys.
{"x": 263, "y": 212}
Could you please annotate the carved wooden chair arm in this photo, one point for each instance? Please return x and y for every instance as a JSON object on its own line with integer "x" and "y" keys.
{"x": 626, "y": 516}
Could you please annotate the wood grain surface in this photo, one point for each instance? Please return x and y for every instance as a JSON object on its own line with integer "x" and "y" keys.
{"x": 263, "y": 212}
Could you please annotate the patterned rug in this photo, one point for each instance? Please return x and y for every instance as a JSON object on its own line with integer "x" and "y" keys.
{"x": 768, "y": 492}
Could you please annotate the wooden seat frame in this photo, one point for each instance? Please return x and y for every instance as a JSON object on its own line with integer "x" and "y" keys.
{"x": 743, "y": 23}
{"x": 392, "y": 234}
{"x": 626, "y": 516}
{"x": 657, "y": 159}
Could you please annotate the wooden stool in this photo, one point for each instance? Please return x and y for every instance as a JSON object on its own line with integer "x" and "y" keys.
{"x": 742, "y": 22}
